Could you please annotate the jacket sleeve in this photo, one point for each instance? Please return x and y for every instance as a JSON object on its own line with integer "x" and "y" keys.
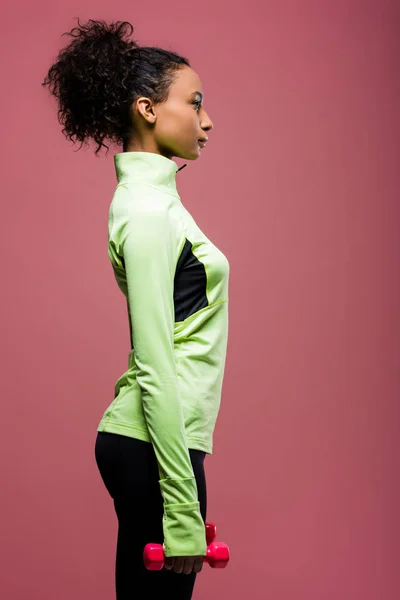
{"x": 149, "y": 247}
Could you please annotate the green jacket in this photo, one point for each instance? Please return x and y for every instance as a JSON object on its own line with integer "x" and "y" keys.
{"x": 175, "y": 282}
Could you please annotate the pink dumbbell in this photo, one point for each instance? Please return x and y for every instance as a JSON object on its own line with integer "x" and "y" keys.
{"x": 217, "y": 554}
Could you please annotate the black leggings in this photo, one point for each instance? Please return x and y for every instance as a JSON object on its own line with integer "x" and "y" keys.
{"x": 129, "y": 471}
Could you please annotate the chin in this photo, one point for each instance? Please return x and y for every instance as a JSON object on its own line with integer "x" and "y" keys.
{"x": 192, "y": 156}
{"x": 195, "y": 155}
{"x": 189, "y": 155}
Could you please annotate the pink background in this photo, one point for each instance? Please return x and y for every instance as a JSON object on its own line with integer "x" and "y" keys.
{"x": 299, "y": 187}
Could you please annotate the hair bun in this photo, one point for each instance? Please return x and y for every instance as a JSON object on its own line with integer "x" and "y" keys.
{"x": 93, "y": 32}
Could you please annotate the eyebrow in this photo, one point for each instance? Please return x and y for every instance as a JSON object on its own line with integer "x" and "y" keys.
{"x": 198, "y": 94}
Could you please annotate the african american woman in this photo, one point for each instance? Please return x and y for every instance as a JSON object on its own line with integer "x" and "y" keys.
{"x": 153, "y": 438}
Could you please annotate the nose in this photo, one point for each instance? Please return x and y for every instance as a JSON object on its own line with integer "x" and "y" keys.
{"x": 207, "y": 127}
{"x": 206, "y": 123}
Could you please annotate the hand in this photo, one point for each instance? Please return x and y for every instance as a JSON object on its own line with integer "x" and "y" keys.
{"x": 185, "y": 564}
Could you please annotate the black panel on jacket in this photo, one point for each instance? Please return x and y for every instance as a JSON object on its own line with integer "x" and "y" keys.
{"x": 190, "y": 284}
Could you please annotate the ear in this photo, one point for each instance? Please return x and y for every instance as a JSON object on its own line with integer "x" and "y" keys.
{"x": 145, "y": 107}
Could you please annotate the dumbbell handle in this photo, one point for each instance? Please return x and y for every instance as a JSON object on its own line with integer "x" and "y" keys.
{"x": 217, "y": 556}
{"x": 211, "y": 532}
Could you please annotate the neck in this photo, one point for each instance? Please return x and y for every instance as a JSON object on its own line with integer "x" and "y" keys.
{"x": 147, "y": 167}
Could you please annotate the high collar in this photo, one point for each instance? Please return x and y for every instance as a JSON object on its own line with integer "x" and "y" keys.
{"x": 147, "y": 167}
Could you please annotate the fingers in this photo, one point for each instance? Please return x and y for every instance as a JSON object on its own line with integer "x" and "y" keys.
{"x": 188, "y": 566}
{"x": 184, "y": 564}
{"x": 198, "y": 564}
{"x": 179, "y": 563}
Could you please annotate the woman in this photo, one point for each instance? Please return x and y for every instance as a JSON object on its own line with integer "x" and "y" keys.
{"x": 153, "y": 438}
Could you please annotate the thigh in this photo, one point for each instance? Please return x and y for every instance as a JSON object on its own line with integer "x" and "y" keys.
{"x": 135, "y": 487}
{"x": 129, "y": 470}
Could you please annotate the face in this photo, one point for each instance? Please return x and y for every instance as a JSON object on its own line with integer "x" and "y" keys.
{"x": 173, "y": 128}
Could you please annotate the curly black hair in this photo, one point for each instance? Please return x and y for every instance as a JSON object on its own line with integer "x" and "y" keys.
{"x": 98, "y": 76}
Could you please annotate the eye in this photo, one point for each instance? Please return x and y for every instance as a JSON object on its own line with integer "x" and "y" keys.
{"x": 197, "y": 103}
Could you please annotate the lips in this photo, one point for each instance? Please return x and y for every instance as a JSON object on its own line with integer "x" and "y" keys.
{"x": 202, "y": 143}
